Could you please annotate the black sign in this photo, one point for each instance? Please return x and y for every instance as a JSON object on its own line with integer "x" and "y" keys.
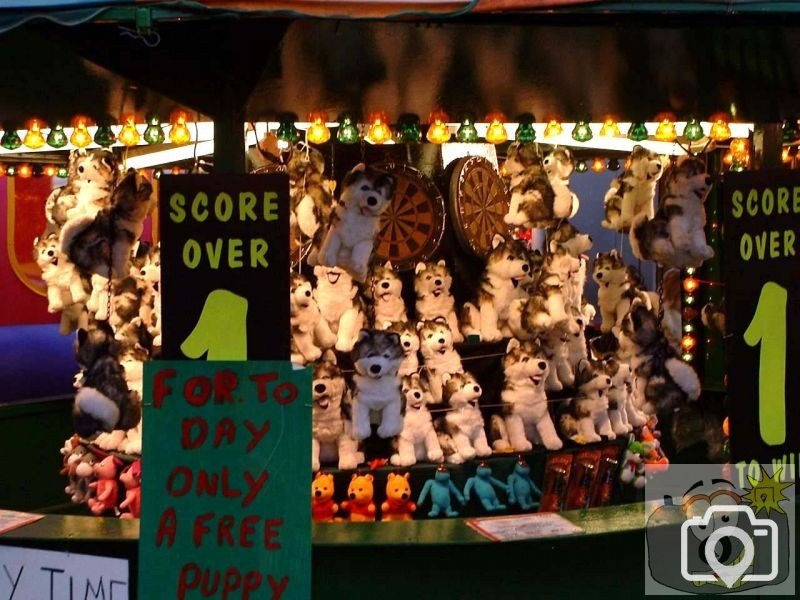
{"x": 225, "y": 266}
{"x": 762, "y": 290}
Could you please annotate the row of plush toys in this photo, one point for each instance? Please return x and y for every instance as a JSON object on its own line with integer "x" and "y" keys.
{"x": 106, "y": 284}
{"x": 409, "y": 379}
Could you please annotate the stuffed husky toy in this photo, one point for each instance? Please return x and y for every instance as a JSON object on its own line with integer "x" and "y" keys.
{"x": 577, "y": 349}
{"x": 507, "y": 268}
{"x": 65, "y": 287}
{"x": 676, "y": 236}
{"x": 565, "y": 235}
{"x": 310, "y": 331}
{"x": 418, "y": 440}
{"x": 558, "y": 165}
{"x": 633, "y": 192}
{"x": 349, "y": 239}
{"x": 102, "y": 243}
{"x": 622, "y": 412}
{"x": 585, "y": 417}
{"x": 663, "y": 381}
{"x": 438, "y": 354}
{"x": 385, "y": 290}
{"x": 309, "y": 192}
{"x": 340, "y": 305}
{"x": 432, "y": 283}
{"x": 377, "y": 356}
{"x": 332, "y": 438}
{"x": 90, "y": 180}
{"x": 409, "y": 339}
{"x": 532, "y": 199}
{"x": 132, "y": 361}
{"x": 618, "y": 287}
{"x": 104, "y": 402}
{"x": 150, "y": 278}
{"x": 519, "y": 157}
{"x": 464, "y": 435}
{"x": 526, "y": 416}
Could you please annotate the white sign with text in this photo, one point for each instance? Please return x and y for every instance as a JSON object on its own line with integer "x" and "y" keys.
{"x": 28, "y": 574}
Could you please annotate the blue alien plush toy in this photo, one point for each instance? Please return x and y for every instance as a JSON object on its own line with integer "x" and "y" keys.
{"x": 483, "y": 483}
{"x": 521, "y": 487}
{"x": 440, "y": 488}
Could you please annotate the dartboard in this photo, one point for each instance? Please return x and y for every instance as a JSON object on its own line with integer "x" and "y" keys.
{"x": 412, "y": 226}
{"x": 299, "y": 245}
{"x": 478, "y": 203}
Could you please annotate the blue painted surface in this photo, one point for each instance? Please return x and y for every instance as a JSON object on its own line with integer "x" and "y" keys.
{"x": 35, "y": 362}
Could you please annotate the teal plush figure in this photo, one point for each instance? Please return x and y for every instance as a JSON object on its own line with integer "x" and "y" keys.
{"x": 440, "y": 488}
{"x": 521, "y": 487}
{"x": 483, "y": 483}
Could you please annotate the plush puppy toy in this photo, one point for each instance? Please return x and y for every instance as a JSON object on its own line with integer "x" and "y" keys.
{"x": 385, "y": 290}
{"x": 438, "y": 353}
{"x": 65, "y": 288}
{"x": 308, "y": 190}
{"x": 90, "y": 180}
{"x": 432, "y": 282}
{"x": 676, "y": 237}
{"x": 586, "y": 416}
{"x": 465, "y": 435}
{"x": 418, "y": 440}
{"x": 340, "y": 304}
{"x": 409, "y": 339}
{"x": 558, "y": 165}
{"x": 632, "y": 193}
{"x": 377, "y": 356}
{"x": 310, "y": 331}
{"x": 349, "y": 239}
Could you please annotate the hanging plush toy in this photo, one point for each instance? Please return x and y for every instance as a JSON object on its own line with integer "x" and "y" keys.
{"x": 585, "y": 417}
{"x": 106, "y": 486}
{"x": 558, "y": 165}
{"x": 310, "y": 331}
{"x": 633, "y": 192}
{"x": 377, "y": 356}
{"x": 484, "y": 486}
{"x": 349, "y": 239}
{"x": 464, "y": 432}
{"x": 308, "y": 190}
{"x": 532, "y": 199}
{"x": 65, "y": 287}
{"x": 676, "y": 236}
{"x": 102, "y": 243}
{"x": 339, "y": 302}
{"x": 417, "y": 441}
{"x": 438, "y": 353}
{"x": 432, "y": 282}
{"x": 385, "y": 290}
{"x": 90, "y": 180}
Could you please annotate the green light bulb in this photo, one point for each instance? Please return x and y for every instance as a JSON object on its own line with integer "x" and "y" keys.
{"x": 693, "y": 130}
{"x": 581, "y": 166}
{"x": 62, "y": 172}
{"x": 637, "y": 132}
{"x": 287, "y": 132}
{"x": 525, "y": 133}
{"x": 466, "y": 131}
{"x": 408, "y": 130}
{"x": 10, "y": 140}
{"x": 104, "y": 136}
{"x": 582, "y": 132}
{"x": 153, "y": 134}
{"x": 57, "y": 138}
{"x": 613, "y": 164}
{"x": 348, "y": 130}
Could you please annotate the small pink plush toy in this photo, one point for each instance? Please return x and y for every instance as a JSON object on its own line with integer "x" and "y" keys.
{"x": 131, "y": 478}
{"x": 106, "y": 486}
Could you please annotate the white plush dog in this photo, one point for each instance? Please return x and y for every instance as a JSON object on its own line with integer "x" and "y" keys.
{"x": 586, "y": 418}
{"x": 338, "y": 301}
{"x": 465, "y": 435}
{"x": 409, "y": 339}
{"x": 385, "y": 289}
{"x": 432, "y": 283}
{"x": 377, "y": 356}
{"x": 558, "y": 165}
{"x": 310, "y": 331}
{"x": 350, "y": 237}
{"x": 633, "y": 192}
{"x": 332, "y": 439}
{"x": 65, "y": 290}
{"x": 527, "y": 418}
{"x": 418, "y": 440}
{"x": 438, "y": 353}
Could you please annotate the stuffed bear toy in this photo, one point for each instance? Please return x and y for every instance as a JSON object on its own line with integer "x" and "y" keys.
{"x": 385, "y": 291}
{"x": 323, "y": 507}
{"x": 90, "y": 180}
{"x": 65, "y": 287}
{"x": 464, "y": 435}
{"x": 359, "y": 502}
{"x": 105, "y": 485}
{"x": 310, "y": 331}
{"x": 676, "y": 236}
{"x": 438, "y": 353}
{"x": 526, "y": 415}
{"x": 418, "y": 440}
{"x": 507, "y": 269}
{"x": 633, "y": 192}
{"x": 484, "y": 486}
{"x": 309, "y": 191}
{"x": 350, "y": 236}
{"x": 409, "y": 339}
{"x": 432, "y": 282}
{"x": 104, "y": 402}
{"x": 377, "y": 356}
{"x": 131, "y": 478}
{"x": 559, "y": 164}
{"x": 332, "y": 436}
{"x": 339, "y": 302}
{"x": 585, "y": 417}
{"x": 103, "y": 243}
{"x": 398, "y": 505}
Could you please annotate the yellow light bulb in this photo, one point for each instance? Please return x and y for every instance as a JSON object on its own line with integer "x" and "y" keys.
{"x": 438, "y": 133}
{"x": 318, "y": 132}
{"x": 379, "y": 132}
{"x": 610, "y": 128}
{"x": 553, "y": 129}
{"x": 129, "y": 135}
{"x": 666, "y": 131}
{"x": 496, "y": 133}
{"x": 179, "y": 132}
{"x": 34, "y": 138}
{"x": 720, "y": 131}
{"x": 599, "y": 165}
{"x": 80, "y": 134}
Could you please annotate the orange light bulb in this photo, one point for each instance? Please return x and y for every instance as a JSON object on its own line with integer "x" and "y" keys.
{"x": 318, "y": 132}
{"x": 666, "y": 131}
{"x": 129, "y": 135}
{"x": 24, "y": 171}
{"x": 80, "y": 135}
{"x": 438, "y": 133}
{"x": 688, "y": 343}
{"x": 50, "y": 171}
{"x": 496, "y": 133}
{"x": 720, "y": 131}
{"x": 179, "y": 132}
{"x": 690, "y": 285}
{"x": 379, "y": 131}
{"x": 610, "y": 128}
{"x": 599, "y": 165}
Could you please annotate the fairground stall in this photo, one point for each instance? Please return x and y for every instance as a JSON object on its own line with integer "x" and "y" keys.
{"x": 304, "y": 298}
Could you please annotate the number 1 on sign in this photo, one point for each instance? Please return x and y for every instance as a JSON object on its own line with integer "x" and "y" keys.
{"x": 768, "y": 328}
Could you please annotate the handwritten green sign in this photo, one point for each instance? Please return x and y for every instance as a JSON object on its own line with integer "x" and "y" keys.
{"x": 225, "y": 488}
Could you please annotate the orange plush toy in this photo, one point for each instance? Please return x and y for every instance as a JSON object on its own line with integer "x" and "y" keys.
{"x": 359, "y": 503}
{"x": 323, "y": 508}
{"x": 398, "y": 505}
